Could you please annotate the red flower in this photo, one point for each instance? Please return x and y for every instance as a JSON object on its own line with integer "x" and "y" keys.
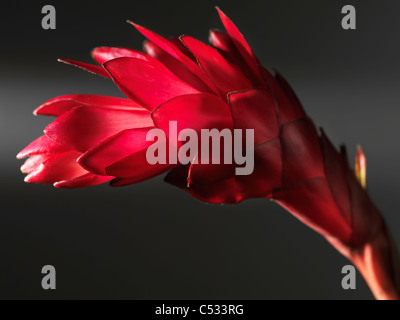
{"x": 95, "y": 139}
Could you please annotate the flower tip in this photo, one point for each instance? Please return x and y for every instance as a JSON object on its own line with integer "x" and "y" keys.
{"x": 58, "y": 184}
{"x": 20, "y": 155}
{"x": 66, "y": 61}
{"x": 360, "y": 167}
{"x": 222, "y": 14}
{"x": 23, "y": 153}
{"x": 94, "y": 50}
{"x": 63, "y": 184}
{"x": 137, "y": 26}
{"x": 213, "y": 35}
{"x": 36, "y": 112}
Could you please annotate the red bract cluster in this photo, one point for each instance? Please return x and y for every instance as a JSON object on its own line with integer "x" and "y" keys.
{"x": 97, "y": 139}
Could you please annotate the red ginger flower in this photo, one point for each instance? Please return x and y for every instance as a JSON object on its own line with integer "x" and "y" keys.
{"x": 96, "y": 139}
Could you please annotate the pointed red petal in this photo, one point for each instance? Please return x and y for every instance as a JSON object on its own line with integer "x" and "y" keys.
{"x": 235, "y": 34}
{"x": 85, "y": 180}
{"x": 225, "y": 76}
{"x": 183, "y": 49}
{"x": 59, "y": 105}
{"x": 42, "y": 145}
{"x": 177, "y": 51}
{"x": 172, "y": 46}
{"x": 165, "y": 44}
{"x": 114, "y": 149}
{"x": 88, "y": 67}
{"x": 33, "y": 162}
{"x": 176, "y": 66}
{"x": 227, "y": 48}
{"x": 83, "y": 127}
{"x": 241, "y": 44}
{"x": 104, "y": 54}
{"x": 149, "y": 84}
{"x": 223, "y": 42}
{"x": 62, "y": 166}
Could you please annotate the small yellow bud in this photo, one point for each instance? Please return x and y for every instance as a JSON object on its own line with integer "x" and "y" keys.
{"x": 360, "y": 167}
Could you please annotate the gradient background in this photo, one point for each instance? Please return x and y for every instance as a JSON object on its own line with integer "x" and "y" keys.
{"x": 152, "y": 240}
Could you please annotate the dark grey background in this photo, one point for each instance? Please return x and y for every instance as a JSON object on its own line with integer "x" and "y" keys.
{"x": 152, "y": 240}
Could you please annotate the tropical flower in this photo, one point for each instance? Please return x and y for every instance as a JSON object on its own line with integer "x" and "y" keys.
{"x": 96, "y": 139}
